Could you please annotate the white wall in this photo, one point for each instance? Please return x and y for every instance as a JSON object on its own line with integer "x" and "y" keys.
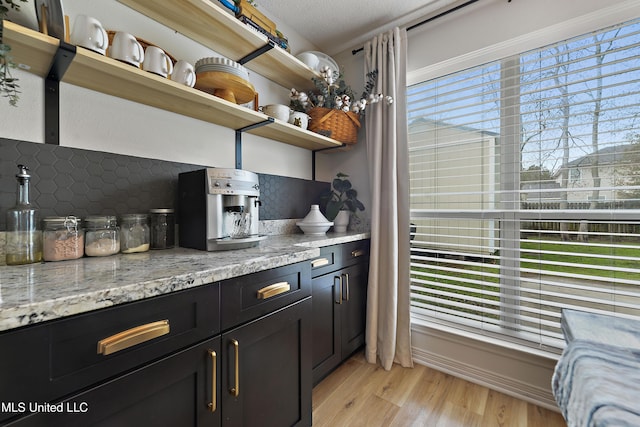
{"x": 94, "y": 121}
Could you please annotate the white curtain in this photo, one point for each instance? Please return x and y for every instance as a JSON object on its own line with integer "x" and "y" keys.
{"x": 388, "y": 335}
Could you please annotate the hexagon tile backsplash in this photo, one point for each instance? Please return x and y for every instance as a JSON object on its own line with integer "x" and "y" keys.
{"x": 71, "y": 181}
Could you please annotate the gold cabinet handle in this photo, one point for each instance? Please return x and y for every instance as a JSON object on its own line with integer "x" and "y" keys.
{"x": 339, "y": 299}
{"x": 273, "y": 290}
{"x": 358, "y": 252}
{"x": 133, "y": 336}
{"x": 235, "y": 391}
{"x": 320, "y": 262}
{"x": 346, "y": 277}
{"x": 214, "y": 381}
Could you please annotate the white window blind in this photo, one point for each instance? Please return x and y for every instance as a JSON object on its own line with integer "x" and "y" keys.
{"x": 525, "y": 189}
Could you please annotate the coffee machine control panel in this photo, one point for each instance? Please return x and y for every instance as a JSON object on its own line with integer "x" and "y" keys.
{"x": 233, "y": 182}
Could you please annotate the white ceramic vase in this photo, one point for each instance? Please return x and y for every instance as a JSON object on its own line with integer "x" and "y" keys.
{"x": 314, "y": 223}
{"x": 341, "y": 222}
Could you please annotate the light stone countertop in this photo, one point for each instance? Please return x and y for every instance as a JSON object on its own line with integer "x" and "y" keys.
{"x": 39, "y": 292}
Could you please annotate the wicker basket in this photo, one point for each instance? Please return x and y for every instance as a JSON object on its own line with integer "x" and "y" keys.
{"x": 339, "y": 125}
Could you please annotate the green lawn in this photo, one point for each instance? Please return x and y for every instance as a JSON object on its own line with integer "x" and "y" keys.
{"x": 572, "y": 254}
{"x": 576, "y": 254}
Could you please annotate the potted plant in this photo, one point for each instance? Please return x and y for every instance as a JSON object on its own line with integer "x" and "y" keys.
{"x": 8, "y": 83}
{"x": 340, "y": 201}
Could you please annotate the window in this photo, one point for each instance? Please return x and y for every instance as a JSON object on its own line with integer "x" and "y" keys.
{"x": 525, "y": 189}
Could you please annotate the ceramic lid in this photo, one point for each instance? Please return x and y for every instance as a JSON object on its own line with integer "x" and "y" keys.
{"x": 315, "y": 217}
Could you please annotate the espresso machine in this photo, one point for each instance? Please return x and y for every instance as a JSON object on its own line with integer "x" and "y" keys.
{"x": 218, "y": 209}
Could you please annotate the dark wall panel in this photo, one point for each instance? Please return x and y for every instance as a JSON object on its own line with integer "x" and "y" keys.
{"x": 71, "y": 181}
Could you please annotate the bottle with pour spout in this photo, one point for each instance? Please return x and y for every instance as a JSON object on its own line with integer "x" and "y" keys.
{"x": 24, "y": 236}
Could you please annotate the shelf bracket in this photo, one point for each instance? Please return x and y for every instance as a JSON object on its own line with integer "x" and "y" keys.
{"x": 61, "y": 61}
{"x": 313, "y": 158}
{"x": 270, "y": 45}
{"x": 239, "y": 133}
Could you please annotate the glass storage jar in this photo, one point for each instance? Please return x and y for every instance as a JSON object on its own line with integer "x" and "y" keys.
{"x": 102, "y": 235}
{"x": 63, "y": 238}
{"x": 134, "y": 233}
{"x": 162, "y": 228}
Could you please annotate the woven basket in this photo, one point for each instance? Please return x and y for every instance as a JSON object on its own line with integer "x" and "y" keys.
{"x": 339, "y": 125}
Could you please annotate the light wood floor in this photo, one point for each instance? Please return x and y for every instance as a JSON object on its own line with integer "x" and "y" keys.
{"x": 363, "y": 394}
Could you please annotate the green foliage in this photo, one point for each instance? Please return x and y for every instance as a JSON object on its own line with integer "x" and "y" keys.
{"x": 8, "y": 84}
{"x": 341, "y": 197}
{"x": 12, "y": 4}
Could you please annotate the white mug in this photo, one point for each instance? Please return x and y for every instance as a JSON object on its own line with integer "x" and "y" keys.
{"x": 157, "y": 61}
{"x": 300, "y": 119}
{"x": 125, "y": 48}
{"x": 88, "y": 32}
{"x": 183, "y": 73}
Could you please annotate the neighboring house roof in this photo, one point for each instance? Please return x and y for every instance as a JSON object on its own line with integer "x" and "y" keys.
{"x": 442, "y": 124}
{"x": 607, "y": 156}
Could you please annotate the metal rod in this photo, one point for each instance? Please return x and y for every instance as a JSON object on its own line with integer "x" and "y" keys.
{"x": 440, "y": 15}
{"x": 256, "y": 53}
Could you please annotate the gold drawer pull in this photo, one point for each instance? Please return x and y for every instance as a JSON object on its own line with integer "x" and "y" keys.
{"x": 320, "y": 262}
{"x": 273, "y": 290}
{"x": 358, "y": 252}
{"x": 235, "y": 390}
{"x": 133, "y": 336}
{"x": 214, "y": 381}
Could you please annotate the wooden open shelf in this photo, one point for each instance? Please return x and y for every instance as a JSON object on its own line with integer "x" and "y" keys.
{"x": 34, "y": 52}
{"x": 215, "y": 27}
{"x": 31, "y": 50}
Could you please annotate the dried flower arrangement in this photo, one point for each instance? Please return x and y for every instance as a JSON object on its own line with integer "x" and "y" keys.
{"x": 330, "y": 106}
{"x": 331, "y": 91}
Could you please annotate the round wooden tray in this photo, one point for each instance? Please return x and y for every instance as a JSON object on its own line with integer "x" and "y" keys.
{"x": 225, "y": 85}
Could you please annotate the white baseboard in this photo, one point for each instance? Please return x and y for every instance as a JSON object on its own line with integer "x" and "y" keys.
{"x": 512, "y": 372}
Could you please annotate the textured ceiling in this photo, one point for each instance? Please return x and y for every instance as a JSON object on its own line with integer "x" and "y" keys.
{"x": 336, "y": 25}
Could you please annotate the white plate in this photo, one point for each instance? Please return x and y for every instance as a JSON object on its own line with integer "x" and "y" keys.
{"x": 55, "y": 17}
{"x": 26, "y": 16}
{"x": 325, "y": 60}
{"x": 223, "y": 68}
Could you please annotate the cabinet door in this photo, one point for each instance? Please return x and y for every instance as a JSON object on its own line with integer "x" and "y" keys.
{"x": 326, "y": 353}
{"x": 266, "y": 372}
{"x": 353, "y": 308}
{"x": 174, "y": 391}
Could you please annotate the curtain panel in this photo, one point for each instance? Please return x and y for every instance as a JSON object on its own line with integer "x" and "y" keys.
{"x": 388, "y": 336}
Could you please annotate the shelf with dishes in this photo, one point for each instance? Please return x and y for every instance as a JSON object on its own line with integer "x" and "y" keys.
{"x": 35, "y": 52}
{"x": 211, "y": 25}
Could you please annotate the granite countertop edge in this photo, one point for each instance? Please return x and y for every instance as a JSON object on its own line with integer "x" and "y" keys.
{"x": 35, "y": 293}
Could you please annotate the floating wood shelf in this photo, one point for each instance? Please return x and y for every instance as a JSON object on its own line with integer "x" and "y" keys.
{"x": 34, "y": 52}
{"x": 213, "y": 26}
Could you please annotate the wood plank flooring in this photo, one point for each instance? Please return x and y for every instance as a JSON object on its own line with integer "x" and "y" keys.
{"x": 363, "y": 394}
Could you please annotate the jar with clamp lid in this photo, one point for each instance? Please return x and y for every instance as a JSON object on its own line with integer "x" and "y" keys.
{"x": 134, "y": 233}
{"x": 63, "y": 238}
{"x": 162, "y": 228}
{"x": 102, "y": 237}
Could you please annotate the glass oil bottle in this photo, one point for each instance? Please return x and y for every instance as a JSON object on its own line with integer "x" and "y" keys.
{"x": 24, "y": 236}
